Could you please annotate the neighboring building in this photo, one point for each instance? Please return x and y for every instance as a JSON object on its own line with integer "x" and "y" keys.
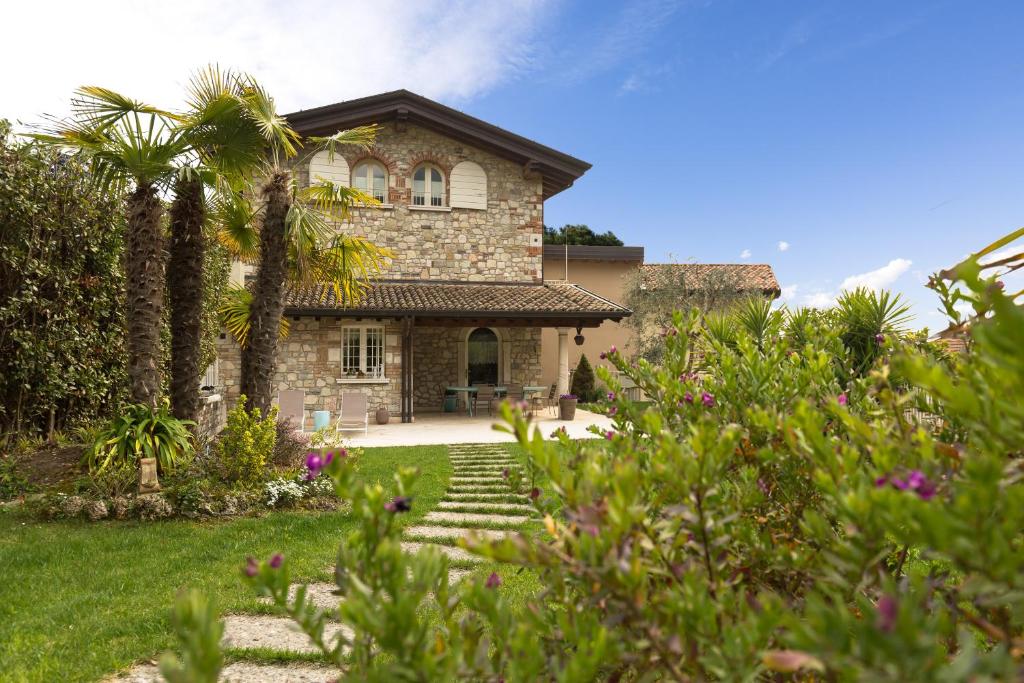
{"x": 465, "y": 298}
{"x": 608, "y": 271}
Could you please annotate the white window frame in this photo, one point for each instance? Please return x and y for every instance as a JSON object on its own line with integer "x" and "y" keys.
{"x": 364, "y": 332}
{"x": 428, "y": 186}
{"x": 370, "y": 164}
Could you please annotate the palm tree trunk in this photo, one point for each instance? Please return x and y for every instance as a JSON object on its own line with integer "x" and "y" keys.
{"x": 144, "y": 268}
{"x": 185, "y": 295}
{"x": 259, "y": 357}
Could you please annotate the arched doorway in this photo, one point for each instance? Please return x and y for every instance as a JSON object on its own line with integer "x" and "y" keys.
{"x": 482, "y": 356}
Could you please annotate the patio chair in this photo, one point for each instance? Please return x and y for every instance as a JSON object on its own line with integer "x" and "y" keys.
{"x": 514, "y": 392}
{"x": 353, "y": 415}
{"x": 485, "y": 393}
{"x": 291, "y": 405}
{"x": 540, "y": 401}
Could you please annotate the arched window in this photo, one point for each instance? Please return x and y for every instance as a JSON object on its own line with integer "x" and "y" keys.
{"x": 482, "y": 356}
{"x": 427, "y": 186}
{"x": 370, "y": 177}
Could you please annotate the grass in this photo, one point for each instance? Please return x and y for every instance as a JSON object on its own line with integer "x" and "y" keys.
{"x": 81, "y": 601}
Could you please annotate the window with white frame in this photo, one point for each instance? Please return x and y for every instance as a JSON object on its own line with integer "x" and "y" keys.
{"x": 371, "y": 178}
{"x": 427, "y": 186}
{"x": 362, "y": 352}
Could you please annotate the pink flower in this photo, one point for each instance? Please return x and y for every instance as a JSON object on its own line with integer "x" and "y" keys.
{"x": 611, "y": 395}
{"x": 887, "y": 613}
{"x": 252, "y": 567}
{"x": 842, "y": 399}
{"x": 276, "y": 561}
{"x": 708, "y": 400}
{"x": 609, "y": 435}
{"x": 688, "y": 397}
{"x": 493, "y": 581}
{"x": 399, "y": 504}
{"x": 314, "y": 463}
{"x": 534, "y": 493}
{"x": 613, "y": 410}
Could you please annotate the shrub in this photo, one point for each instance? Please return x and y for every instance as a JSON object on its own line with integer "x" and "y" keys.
{"x": 762, "y": 522}
{"x": 247, "y": 444}
{"x": 140, "y": 432}
{"x": 290, "y": 446}
{"x": 583, "y": 381}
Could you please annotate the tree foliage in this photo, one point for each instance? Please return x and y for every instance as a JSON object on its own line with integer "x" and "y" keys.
{"x": 61, "y": 324}
{"x": 580, "y": 234}
{"x": 583, "y": 381}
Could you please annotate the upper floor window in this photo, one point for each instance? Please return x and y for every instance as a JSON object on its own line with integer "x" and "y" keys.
{"x": 371, "y": 178}
{"x": 427, "y": 186}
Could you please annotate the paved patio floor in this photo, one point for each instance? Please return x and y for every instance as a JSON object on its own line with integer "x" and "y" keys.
{"x": 451, "y": 428}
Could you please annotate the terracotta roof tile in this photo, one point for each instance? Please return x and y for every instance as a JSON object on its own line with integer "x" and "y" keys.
{"x": 746, "y": 276}
{"x": 432, "y": 298}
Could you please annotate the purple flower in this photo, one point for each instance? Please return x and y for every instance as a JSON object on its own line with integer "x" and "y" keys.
{"x": 881, "y": 481}
{"x": 915, "y": 481}
{"x": 688, "y": 397}
{"x": 887, "y": 612}
{"x": 879, "y": 339}
{"x": 504, "y": 473}
{"x": 609, "y": 435}
{"x": 602, "y": 355}
{"x": 611, "y": 395}
{"x": 399, "y": 504}
{"x": 842, "y": 399}
{"x": 314, "y": 463}
{"x": 613, "y": 410}
{"x": 534, "y": 493}
{"x": 252, "y": 567}
{"x": 493, "y": 581}
{"x": 707, "y": 399}
{"x": 276, "y": 561}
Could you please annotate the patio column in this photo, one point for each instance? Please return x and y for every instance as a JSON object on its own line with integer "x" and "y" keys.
{"x": 563, "y": 360}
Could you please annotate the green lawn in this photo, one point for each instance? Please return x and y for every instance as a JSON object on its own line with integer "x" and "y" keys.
{"x": 80, "y": 601}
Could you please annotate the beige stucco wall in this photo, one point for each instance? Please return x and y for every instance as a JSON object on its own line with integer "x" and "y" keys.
{"x": 501, "y": 243}
{"x": 606, "y": 278}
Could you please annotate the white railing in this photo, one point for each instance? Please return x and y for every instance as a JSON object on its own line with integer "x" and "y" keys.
{"x": 422, "y": 198}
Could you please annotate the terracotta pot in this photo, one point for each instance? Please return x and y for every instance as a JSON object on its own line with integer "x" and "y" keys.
{"x": 566, "y": 408}
{"x": 383, "y": 415}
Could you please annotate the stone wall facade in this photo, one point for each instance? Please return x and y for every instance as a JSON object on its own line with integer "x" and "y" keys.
{"x": 310, "y": 360}
{"x": 499, "y": 244}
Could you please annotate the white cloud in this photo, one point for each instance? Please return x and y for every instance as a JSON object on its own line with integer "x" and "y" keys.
{"x": 783, "y": 245}
{"x": 819, "y": 300}
{"x": 880, "y": 278}
{"x": 306, "y": 53}
{"x": 789, "y": 292}
{"x": 745, "y": 254}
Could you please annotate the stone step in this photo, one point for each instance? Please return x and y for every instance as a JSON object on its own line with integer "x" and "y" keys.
{"x": 450, "y": 533}
{"x": 471, "y": 480}
{"x": 496, "y": 508}
{"x": 484, "y": 469}
{"x": 479, "y": 488}
{"x": 453, "y": 553}
{"x": 485, "y": 498}
{"x": 474, "y": 518}
{"x": 244, "y": 672}
{"x": 252, "y": 631}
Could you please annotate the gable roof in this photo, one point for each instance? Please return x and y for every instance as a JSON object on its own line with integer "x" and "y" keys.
{"x": 564, "y": 303}
{"x": 559, "y": 170}
{"x": 748, "y": 277}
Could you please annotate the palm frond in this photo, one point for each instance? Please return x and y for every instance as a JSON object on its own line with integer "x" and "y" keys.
{"x": 102, "y": 107}
{"x": 235, "y": 223}
{"x": 361, "y": 137}
{"x": 335, "y": 201}
{"x": 348, "y": 265}
{"x": 275, "y": 129}
{"x": 234, "y": 310}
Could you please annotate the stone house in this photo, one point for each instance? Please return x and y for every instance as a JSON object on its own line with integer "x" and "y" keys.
{"x": 465, "y": 299}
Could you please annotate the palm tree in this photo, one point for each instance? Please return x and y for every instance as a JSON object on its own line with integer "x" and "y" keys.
{"x": 297, "y": 240}
{"x": 131, "y": 147}
{"x": 224, "y": 145}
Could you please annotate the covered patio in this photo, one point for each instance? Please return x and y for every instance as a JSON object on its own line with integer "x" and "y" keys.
{"x": 406, "y": 343}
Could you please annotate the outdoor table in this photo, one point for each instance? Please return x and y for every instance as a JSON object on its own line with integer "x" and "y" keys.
{"x": 470, "y": 394}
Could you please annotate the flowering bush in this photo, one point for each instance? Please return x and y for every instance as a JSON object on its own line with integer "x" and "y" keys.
{"x": 781, "y": 515}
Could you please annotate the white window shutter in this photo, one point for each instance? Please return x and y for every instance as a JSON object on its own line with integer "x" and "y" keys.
{"x": 468, "y": 186}
{"x": 335, "y": 170}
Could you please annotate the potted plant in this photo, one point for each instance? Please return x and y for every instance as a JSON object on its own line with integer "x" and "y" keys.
{"x": 383, "y": 415}
{"x": 567, "y": 406}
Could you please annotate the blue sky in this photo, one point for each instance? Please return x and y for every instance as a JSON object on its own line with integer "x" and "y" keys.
{"x": 863, "y": 134}
{"x": 879, "y": 140}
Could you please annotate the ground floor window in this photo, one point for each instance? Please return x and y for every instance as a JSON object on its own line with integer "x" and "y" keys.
{"x": 362, "y": 352}
{"x": 483, "y": 356}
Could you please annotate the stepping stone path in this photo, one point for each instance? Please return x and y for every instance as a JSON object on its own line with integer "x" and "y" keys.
{"x": 478, "y": 502}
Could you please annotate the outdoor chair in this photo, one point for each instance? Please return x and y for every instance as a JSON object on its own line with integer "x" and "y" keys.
{"x": 514, "y": 392}
{"x": 550, "y": 401}
{"x": 485, "y": 393}
{"x": 354, "y": 415}
{"x": 291, "y": 405}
